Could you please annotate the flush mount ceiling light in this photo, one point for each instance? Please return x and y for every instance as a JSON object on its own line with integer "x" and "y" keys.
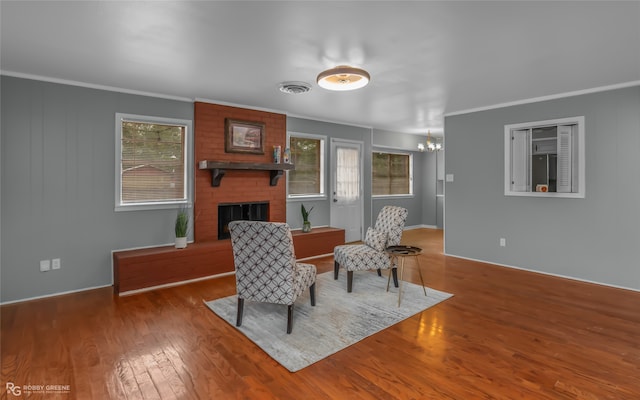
{"x": 294, "y": 87}
{"x": 343, "y": 77}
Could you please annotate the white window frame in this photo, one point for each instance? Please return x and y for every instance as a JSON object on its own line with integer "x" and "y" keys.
{"x": 394, "y": 196}
{"x": 577, "y": 145}
{"x": 323, "y": 152}
{"x": 188, "y": 164}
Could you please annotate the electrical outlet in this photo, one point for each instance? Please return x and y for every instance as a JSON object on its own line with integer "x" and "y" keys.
{"x": 45, "y": 265}
{"x": 55, "y": 263}
{"x": 503, "y": 242}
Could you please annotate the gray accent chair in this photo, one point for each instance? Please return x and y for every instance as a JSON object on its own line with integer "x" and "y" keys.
{"x": 266, "y": 267}
{"x": 371, "y": 254}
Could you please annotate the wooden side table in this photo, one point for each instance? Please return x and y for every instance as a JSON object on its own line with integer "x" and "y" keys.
{"x": 403, "y": 252}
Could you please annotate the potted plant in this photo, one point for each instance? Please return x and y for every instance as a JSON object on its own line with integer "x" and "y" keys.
{"x": 182, "y": 226}
{"x": 306, "y": 225}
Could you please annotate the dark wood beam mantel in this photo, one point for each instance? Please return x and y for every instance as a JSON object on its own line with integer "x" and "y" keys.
{"x": 218, "y": 169}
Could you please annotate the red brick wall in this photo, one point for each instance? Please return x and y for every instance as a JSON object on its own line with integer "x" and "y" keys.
{"x": 235, "y": 186}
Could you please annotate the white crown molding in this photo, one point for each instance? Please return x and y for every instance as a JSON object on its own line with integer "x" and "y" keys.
{"x": 546, "y": 98}
{"x": 92, "y": 86}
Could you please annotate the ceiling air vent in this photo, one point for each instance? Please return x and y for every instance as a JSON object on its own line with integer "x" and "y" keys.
{"x": 294, "y": 87}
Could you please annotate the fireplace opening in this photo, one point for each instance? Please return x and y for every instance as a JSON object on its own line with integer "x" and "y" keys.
{"x": 240, "y": 211}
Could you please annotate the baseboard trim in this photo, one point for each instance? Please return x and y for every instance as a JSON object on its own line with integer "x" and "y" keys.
{"x": 573, "y": 278}
{"x": 54, "y": 294}
{"x": 411, "y": 227}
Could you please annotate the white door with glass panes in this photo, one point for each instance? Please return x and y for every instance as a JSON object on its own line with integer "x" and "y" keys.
{"x": 346, "y": 190}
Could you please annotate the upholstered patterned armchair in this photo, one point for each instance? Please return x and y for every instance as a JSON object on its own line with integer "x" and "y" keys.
{"x": 371, "y": 255}
{"x": 266, "y": 268}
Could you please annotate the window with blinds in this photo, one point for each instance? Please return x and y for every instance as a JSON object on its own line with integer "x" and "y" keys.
{"x": 152, "y": 160}
{"x": 545, "y": 158}
{"x": 307, "y": 154}
{"x": 392, "y": 174}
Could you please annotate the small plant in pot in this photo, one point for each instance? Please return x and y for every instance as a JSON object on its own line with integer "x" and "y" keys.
{"x": 306, "y": 225}
{"x": 182, "y": 227}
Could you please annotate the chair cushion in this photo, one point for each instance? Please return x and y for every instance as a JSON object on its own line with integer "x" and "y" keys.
{"x": 360, "y": 257}
{"x": 391, "y": 219}
{"x": 375, "y": 239}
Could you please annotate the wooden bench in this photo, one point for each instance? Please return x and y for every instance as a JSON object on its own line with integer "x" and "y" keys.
{"x": 159, "y": 266}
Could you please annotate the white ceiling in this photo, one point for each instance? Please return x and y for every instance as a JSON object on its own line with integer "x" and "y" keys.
{"x": 426, "y": 59}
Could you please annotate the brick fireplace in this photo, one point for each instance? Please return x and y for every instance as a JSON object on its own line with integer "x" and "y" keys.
{"x": 165, "y": 265}
{"x": 237, "y": 186}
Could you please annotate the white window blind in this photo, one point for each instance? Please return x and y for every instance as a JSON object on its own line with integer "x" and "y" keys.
{"x": 152, "y": 166}
{"x": 307, "y": 154}
{"x": 391, "y": 174}
{"x": 564, "y": 159}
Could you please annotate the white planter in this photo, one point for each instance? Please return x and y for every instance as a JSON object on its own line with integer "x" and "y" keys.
{"x": 181, "y": 242}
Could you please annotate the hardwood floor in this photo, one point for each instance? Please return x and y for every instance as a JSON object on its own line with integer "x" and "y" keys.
{"x": 506, "y": 334}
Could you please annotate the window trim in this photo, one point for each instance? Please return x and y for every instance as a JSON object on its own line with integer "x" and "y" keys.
{"x": 323, "y": 162}
{"x": 580, "y": 152}
{"x": 400, "y": 195}
{"x": 188, "y": 164}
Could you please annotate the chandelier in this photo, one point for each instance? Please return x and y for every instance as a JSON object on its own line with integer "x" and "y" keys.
{"x": 431, "y": 146}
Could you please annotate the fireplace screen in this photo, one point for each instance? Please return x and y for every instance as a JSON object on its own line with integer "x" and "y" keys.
{"x": 239, "y": 211}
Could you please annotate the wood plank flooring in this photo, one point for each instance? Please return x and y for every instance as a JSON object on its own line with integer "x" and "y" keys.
{"x": 506, "y": 334}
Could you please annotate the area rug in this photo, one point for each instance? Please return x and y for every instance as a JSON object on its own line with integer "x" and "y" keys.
{"x": 338, "y": 320}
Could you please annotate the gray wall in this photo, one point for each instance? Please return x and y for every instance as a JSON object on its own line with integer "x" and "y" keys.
{"x": 594, "y": 239}
{"x": 321, "y": 208}
{"x": 58, "y": 184}
{"x": 422, "y": 206}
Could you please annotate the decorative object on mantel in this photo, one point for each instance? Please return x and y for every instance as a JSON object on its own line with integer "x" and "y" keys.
{"x": 182, "y": 227}
{"x": 244, "y": 137}
{"x": 218, "y": 169}
{"x": 306, "y": 225}
{"x": 276, "y": 154}
{"x": 286, "y": 158}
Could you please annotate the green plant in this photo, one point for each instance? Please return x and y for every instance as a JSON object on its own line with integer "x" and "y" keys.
{"x": 182, "y": 223}
{"x": 305, "y": 213}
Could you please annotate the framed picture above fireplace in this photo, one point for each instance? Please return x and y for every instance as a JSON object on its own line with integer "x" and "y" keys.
{"x": 244, "y": 137}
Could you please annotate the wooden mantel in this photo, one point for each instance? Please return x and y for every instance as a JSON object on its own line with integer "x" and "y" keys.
{"x": 218, "y": 169}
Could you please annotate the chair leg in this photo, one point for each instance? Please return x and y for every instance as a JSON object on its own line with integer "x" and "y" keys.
{"x": 240, "y": 309}
{"x": 394, "y": 272}
{"x": 312, "y": 293}
{"x": 349, "y": 281}
{"x": 289, "y": 318}
{"x": 336, "y": 269}
{"x": 379, "y": 272}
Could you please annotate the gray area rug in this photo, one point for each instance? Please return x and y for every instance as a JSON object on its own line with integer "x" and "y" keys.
{"x": 338, "y": 320}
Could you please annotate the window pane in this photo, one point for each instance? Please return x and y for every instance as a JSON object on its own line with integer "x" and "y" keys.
{"x": 153, "y": 162}
{"x": 391, "y": 174}
{"x": 305, "y": 155}
{"x": 347, "y": 173}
